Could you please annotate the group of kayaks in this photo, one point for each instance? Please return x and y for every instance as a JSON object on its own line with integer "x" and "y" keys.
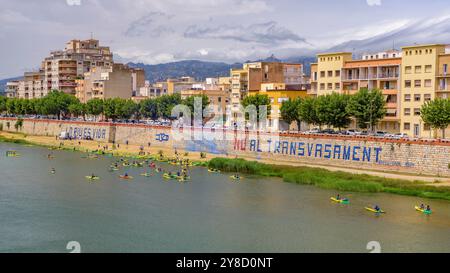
{"x": 378, "y": 210}
{"x": 235, "y": 177}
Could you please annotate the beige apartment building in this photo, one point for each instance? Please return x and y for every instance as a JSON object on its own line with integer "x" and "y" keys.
{"x": 250, "y": 77}
{"x": 118, "y": 81}
{"x": 12, "y": 89}
{"x": 31, "y": 86}
{"x": 407, "y": 78}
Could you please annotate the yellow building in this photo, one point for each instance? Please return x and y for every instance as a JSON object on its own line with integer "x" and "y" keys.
{"x": 329, "y": 67}
{"x": 420, "y": 71}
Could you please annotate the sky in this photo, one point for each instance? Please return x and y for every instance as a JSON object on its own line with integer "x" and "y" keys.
{"x": 161, "y": 31}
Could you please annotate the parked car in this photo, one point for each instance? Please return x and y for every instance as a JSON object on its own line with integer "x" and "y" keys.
{"x": 313, "y": 131}
{"x": 380, "y": 134}
{"x": 328, "y": 132}
{"x": 400, "y": 136}
{"x": 353, "y": 132}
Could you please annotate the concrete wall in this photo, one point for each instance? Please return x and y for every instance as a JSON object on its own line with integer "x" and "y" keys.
{"x": 415, "y": 157}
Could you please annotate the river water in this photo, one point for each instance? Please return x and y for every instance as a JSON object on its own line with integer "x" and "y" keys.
{"x": 41, "y": 212}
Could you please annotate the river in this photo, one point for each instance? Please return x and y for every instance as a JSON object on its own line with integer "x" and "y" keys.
{"x": 41, "y": 212}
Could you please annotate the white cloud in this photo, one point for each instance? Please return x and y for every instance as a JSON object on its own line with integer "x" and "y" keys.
{"x": 374, "y": 2}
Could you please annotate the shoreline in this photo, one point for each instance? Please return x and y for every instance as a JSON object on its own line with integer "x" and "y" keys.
{"x": 343, "y": 179}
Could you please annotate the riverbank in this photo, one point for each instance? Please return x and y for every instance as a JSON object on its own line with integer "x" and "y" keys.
{"x": 340, "y": 181}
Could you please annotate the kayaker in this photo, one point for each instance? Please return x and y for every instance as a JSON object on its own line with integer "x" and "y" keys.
{"x": 53, "y": 170}
{"x": 126, "y": 175}
{"x": 377, "y": 208}
{"x": 338, "y": 197}
{"x": 92, "y": 176}
{"x": 422, "y": 206}
{"x": 428, "y": 208}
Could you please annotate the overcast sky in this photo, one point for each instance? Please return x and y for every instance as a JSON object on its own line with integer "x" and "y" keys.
{"x": 158, "y": 31}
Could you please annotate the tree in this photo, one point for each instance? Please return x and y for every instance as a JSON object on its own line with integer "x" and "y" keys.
{"x": 308, "y": 112}
{"x": 149, "y": 108}
{"x": 57, "y": 103}
{"x": 290, "y": 111}
{"x": 332, "y": 110}
{"x": 257, "y": 100}
{"x": 94, "y": 107}
{"x": 436, "y": 113}
{"x": 77, "y": 109}
{"x": 126, "y": 109}
{"x": 166, "y": 104}
{"x": 368, "y": 107}
{"x": 3, "y": 101}
{"x": 110, "y": 108}
{"x": 190, "y": 102}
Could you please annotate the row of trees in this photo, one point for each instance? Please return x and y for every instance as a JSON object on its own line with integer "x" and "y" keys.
{"x": 337, "y": 110}
{"x": 61, "y": 105}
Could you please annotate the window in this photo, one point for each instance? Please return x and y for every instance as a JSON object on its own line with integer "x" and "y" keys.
{"x": 407, "y": 84}
{"x": 428, "y": 68}
{"x": 426, "y": 127}
{"x": 330, "y": 86}
{"x": 416, "y": 111}
{"x": 418, "y": 69}
{"x": 407, "y": 98}
{"x": 337, "y": 86}
{"x": 406, "y": 126}
{"x": 330, "y": 74}
{"x": 322, "y": 86}
{"x": 427, "y": 83}
{"x": 407, "y": 111}
{"x": 408, "y": 70}
{"x": 417, "y": 97}
{"x": 417, "y": 83}
{"x": 427, "y": 97}
{"x": 337, "y": 73}
{"x": 322, "y": 74}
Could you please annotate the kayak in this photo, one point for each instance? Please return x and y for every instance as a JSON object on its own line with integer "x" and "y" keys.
{"x": 375, "y": 211}
{"x": 235, "y": 178}
{"x": 146, "y": 174}
{"x": 168, "y": 176}
{"x": 425, "y": 211}
{"x": 114, "y": 169}
{"x": 125, "y": 177}
{"x": 340, "y": 201}
{"x": 213, "y": 171}
{"x": 183, "y": 179}
{"x": 126, "y": 165}
{"x": 92, "y": 178}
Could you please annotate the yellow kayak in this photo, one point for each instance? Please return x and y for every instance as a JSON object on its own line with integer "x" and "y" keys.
{"x": 340, "y": 201}
{"x": 235, "y": 178}
{"x": 423, "y": 210}
{"x": 92, "y": 178}
{"x": 375, "y": 211}
{"x": 146, "y": 174}
{"x": 213, "y": 171}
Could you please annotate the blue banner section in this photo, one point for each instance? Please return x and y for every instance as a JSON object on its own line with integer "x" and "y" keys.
{"x": 318, "y": 150}
{"x": 85, "y": 132}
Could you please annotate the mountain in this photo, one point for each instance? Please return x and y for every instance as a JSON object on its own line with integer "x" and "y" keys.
{"x": 4, "y": 81}
{"x": 197, "y": 69}
{"x": 436, "y": 30}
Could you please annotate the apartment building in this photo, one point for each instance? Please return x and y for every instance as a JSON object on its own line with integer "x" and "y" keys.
{"x": 31, "y": 86}
{"x": 63, "y": 67}
{"x": 250, "y": 77}
{"x": 219, "y": 99}
{"x": 117, "y": 81}
{"x": 12, "y": 89}
{"x": 378, "y": 73}
{"x": 420, "y": 83}
{"x": 329, "y": 67}
{"x": 407, "y": 78}
{"x": 175, "y": 86}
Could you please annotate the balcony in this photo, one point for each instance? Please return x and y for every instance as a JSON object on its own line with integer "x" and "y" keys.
{"x": 388, "y": 76}
{"x": 443, "y": 75}
{"x": 391, "y": 105}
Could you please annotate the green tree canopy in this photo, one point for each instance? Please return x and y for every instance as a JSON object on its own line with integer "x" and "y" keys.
{"x": 368, "y": 107}
{"x": 436, "y": 113}
{"x": 290, "y": 111}
{"x": 257, "y": 100}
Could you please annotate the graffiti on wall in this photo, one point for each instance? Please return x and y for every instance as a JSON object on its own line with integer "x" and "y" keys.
{"x": 86, "y": 132}
{"x": 162, "y": 137}
{"x": 313, "y": 150}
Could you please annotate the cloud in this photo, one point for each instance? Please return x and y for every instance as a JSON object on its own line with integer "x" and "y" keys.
{"x": 264, "y": 33}
{"x": 374, "y": 2}
{"x": 152, "y": 24}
